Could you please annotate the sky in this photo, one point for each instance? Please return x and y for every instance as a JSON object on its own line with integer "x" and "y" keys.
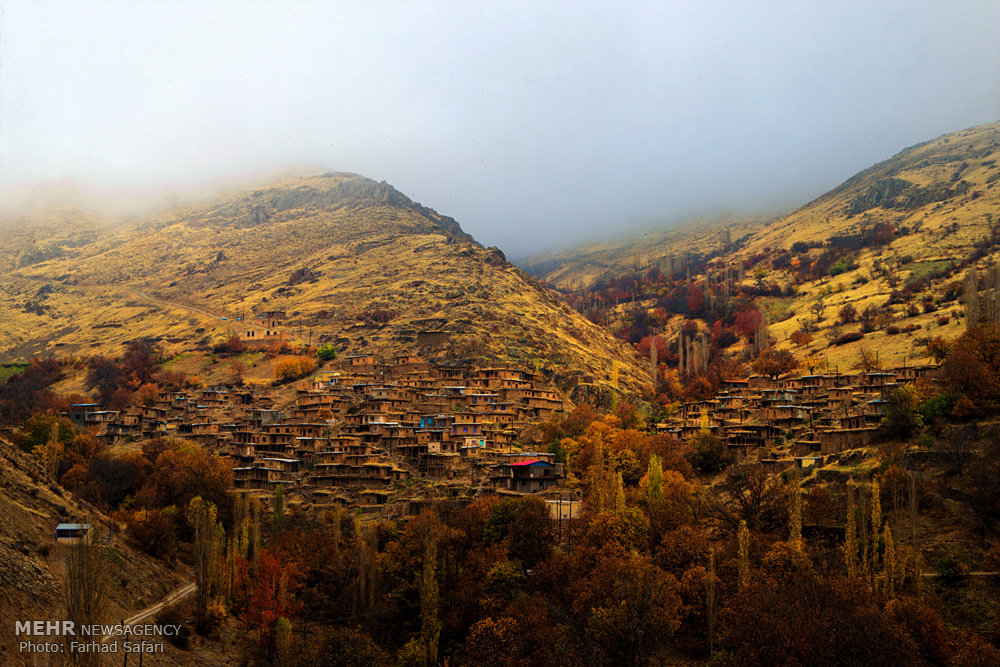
{"x": 533, "y": 124}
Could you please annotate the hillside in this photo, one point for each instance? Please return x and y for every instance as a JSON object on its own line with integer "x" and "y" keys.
{"x": 583, "y": 265}
{"x": 895, "y": 243}
{"x": 34, "y": 566}
{"x": 926, "y": 187}
{"x": 349, "y": 261}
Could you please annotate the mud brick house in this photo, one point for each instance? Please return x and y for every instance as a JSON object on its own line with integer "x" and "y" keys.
{"x": 834, "y": 441}
{"x": 530, "y": 476}
{"x": 87, "y": 415}
{"x": 260, "y": 476}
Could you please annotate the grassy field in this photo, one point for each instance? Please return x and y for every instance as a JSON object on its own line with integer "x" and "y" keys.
{"x": 6, "y": 370}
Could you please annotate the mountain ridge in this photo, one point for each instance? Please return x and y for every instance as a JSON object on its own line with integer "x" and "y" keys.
{"x": 350, "y": 261}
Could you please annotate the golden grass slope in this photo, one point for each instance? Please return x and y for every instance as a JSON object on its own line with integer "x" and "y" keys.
{"x": 349, "y": 260}
{"x": 943, "y": 181}
{"x": 581, "y": 266}
{"x": 944, "y": 197}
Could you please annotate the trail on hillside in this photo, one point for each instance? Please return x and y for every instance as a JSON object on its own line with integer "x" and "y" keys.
{"x": 145, "y": 296}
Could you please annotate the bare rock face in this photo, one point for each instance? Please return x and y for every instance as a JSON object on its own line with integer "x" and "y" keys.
{"x": 257, "y": 215}
{"x": 336, "y": 190}
{"x": 600, "y": 397}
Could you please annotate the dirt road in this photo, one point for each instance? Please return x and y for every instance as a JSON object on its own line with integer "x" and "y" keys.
{"x": 179, "y": 594}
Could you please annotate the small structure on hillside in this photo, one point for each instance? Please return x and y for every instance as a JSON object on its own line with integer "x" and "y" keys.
{"x": 72, "y": 533}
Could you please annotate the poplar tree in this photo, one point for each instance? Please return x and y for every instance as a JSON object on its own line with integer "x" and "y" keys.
{"x": 279, "y": 507}
{"x": 889, "y": 562}
{"x": 876, "y": 528}
{"x": 619, "y": 494}
{"x": 653, "y": 362}
{"x": 851, "y": 534}
{"x": 85, "y": 593}
{"x": 255, "y": 532}
{"x": 744, "y": 555}
{"x": 710, "y": 600}
{"x": 795, "y": 513}
{"x": 201, "y": 517}
{"x": 430, "y": 626}
{"x": 654, "y": 478}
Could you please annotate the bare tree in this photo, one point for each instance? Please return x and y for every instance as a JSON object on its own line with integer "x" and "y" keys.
{"x": 86, "y": 589}
{"x": 971, "y": 298}
{"x": 753, "y": 496}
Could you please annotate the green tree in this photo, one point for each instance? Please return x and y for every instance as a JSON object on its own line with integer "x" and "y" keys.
{"x": 326, "y": 352}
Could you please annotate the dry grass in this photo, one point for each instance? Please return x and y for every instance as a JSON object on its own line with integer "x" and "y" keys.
{"x": 348, "y": 264}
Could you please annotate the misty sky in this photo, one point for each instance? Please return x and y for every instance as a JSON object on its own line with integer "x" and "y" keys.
{"x": 533, "y": 124}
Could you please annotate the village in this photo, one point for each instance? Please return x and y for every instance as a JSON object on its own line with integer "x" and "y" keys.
{"x": 804, "y": 421}
{"x": 355, "y": 434}
{"x": 364, "y": 429}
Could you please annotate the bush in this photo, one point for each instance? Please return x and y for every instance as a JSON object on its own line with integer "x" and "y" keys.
{"x": 291, "y": 368}
{"x": 848, "y": 313}
{"x": 172, "y": 616}
{"x": 326, "y": 352}
{"x": 230, "y": 345}
{"x": 847, "y": 338}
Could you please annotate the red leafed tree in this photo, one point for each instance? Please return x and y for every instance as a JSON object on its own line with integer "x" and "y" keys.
{"x": 695, "y": 299}
{"x": 662, "y": 347}
{"x": 747, "y": 322}
{"x": 270, "y": 597}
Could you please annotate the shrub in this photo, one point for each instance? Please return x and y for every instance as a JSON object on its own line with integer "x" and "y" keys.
{"x": 172, "y": 616}
{"x": 291, "y": 368}
{"x": 326, "y": 352}
{"x": 229, "y": 345}
{"x": 847, "y": 338}
{"x": 848, "y": 313}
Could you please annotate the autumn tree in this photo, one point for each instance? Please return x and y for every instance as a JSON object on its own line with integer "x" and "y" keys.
{"x": 901, "y": 418}
{"x": 869, "y": 318}
{"x": 937, "y": 349}
{"x": 631, "y": 609}
{"x": 430, "y": 625}
{"x": 972, "y": 368}
{"x": 201, "y": 516}
{"x": 773, "y": 362}
{"x": 270, "y": 598}
{"x": 291, "y": 368}
{"x": 800, "y": 338}
{"x": 793, "y": 617}
{"x": 29, "y": 392}
{"x": 754, "y": 496}
{"x": 847, "y": 313}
